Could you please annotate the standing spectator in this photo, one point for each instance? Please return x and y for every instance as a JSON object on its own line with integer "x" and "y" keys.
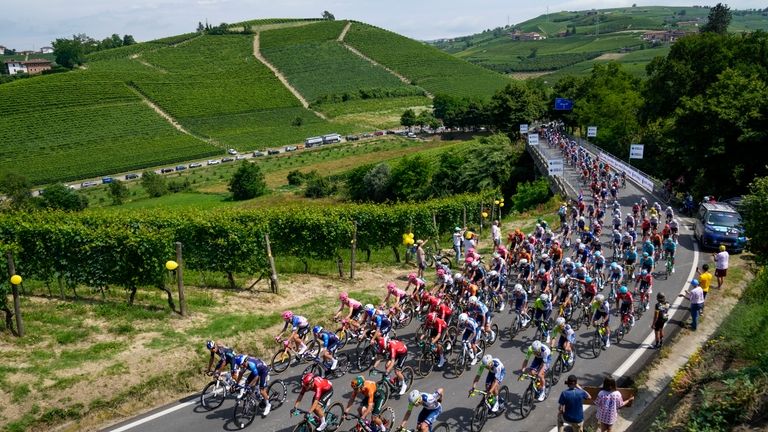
{"x": 705, "y": 279}
{"x": 660, "y": 317}
{"x": 468, "y": 244}
{"x": 571, "y": 406}
{"x": 421, "y": 260}
{"x": 457, "y": 235}
{"x": 496, "y": 234}
{"x": 721, "y": 265}
{"x": 608, "y": 402}
{"x": 696, "y": 297}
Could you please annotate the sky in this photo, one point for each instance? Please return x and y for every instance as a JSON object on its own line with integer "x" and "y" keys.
{"x": 31, "y": 24}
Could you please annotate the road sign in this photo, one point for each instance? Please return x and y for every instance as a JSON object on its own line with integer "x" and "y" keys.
{"x": 533, "y": 139}
{"x": 555, "y": 166}
{"x": 636, "y": 151}
{"x": 554, "y": 162}
{"x": 523, "y": 128}
{"x": 563, "y": 104}
{"x": 592, "y": 131}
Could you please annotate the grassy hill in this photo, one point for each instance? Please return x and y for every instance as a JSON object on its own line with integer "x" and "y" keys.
{"x": 190, "y": 96}
{"x": 590, "y": 36}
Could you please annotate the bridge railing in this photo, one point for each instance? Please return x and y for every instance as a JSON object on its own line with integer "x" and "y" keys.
{"x": 557, "y": 184}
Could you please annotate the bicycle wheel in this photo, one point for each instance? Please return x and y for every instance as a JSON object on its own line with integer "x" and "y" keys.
{"x": 383, "y": 389}
{"x": 277, "y": 392}
{"x": 387, "y": 416}
{"x": 343, "y": 336}
{"x": 557, "y": 369}
{"x": 460, "y": 364}
{"x": 213, "y": 395}
{"x": 313, "y": 351}
{"x": 620, "y": 331}
{"x": 280, "y": 361}
{"x": 408, "y": 315}
{"x": 342, "y": 365}
{"x": 408, "y": 374}
{"x": 365, "y": 359}
{"x": 314, "y": 369}
{"x": 334, "y": 416}
{"x": 429, "y": 259}
{"x": 515, "y": 327}
{"x": 479, "y": 417}
{"x": 426, "y": 363}
{"x": 302, "y": 427}
{"x": 526, "y": 402}
{"x": 503, "y": 400}
{"x": 570, "y": 364}
{"x": 442, "y": 427}
{"x": 596, "y": 344}
{"x": 446, "y": 262}
{"x": 245, "y": 411}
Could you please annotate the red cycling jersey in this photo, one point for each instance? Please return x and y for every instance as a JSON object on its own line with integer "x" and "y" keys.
{"x": 396, "y": 348}
{"x": 624, "y": 298}
{"x": 443, "y": 311}
{"x": 321, "y": 386}
{"x": 438, "y": 325}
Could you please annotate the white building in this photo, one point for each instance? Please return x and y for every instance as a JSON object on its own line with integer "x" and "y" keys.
{"x": 15, "y": 67}
{"x": 46, "y": 50}
{"x": 2, "y": 50}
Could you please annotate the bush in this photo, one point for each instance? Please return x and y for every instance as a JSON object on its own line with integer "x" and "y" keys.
{"x": 318, "y": 186}
{"x": 247, "y": 182}
{"x": 530, "y": 194}
{"x": 154, "y": 184}
{"x": 296, "y": 178}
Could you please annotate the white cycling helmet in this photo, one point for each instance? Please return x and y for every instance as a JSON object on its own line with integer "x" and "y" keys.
{"x": 458, "y": 277}
{"x": 518, "y": 287}
{"x": 544, "y": 256}
{"x": 600, "y": 297}
{"x": 414, "y": 396}
{"x": 473, "y": 300}
{"x": 561, "y": 281}
{"x": 567, "y": 261}
{"x": 560, "y": 321}
{"x": 536, "y": 345}
{"x": 544, "y": 297}
{"x": 463, "y": 318}
{"x": 493, "y": 273}
{"x": 369, "y": 308}
{"x": 487, "y": 359}
{"x": 524, "y": 261}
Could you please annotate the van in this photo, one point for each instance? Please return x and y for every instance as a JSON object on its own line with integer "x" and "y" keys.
{"x": 719, "y": 224}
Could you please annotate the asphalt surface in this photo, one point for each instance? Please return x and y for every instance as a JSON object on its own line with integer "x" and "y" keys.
{"x": 624, "y": 360}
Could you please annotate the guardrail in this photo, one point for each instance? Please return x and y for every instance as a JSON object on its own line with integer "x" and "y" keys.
{"x": 557, "y": 184}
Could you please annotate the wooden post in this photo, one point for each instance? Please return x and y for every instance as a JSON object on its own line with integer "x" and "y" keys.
{"x": 352, "y": 260}
{"x": 437, "y": 231}
{"x": 180, "y": 280}
{"x": 481, "y": 218}
{"x": 273, "y": 273}
{"x": 465, "y": 217}
{"x": 16, "y": 299}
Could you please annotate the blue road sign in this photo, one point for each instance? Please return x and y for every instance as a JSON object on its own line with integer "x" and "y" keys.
{"x": 563, "y": 104}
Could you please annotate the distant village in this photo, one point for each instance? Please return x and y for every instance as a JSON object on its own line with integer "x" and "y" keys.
{"x": 25, "y": 62}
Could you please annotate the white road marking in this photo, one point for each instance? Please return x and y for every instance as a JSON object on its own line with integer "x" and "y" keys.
{"x": 153, "y": 416}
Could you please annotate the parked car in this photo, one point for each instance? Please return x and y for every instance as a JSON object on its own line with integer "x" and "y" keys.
{"x": 378, "y": 133}
{"x": 181, "y": 167}
{"x": 273, "y": 151}
{"x": 227, "y": 159}
{"x": 166, "y": 170}
{"x": 352, "y": 138}
{"x": 411, "y": 135}
{"x": 290, "y": 148}
{"x": 239, "y": 157}
{"x": 195, "y": 165}
{"x": 106, "y": 180}
{"x": 131, "y": 176}
{"x": 214, "y": 161}
{"x": 719, "y": 224}
{"x": 233, "y": 152}
{"x": 258, "y": 153}
{"x": 367, "y": 135}
{"x": 86, "y": 184}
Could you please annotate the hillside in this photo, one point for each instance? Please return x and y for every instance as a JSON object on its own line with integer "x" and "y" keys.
{"x": 193, "y": 95}
{"x": 576, "y": 40}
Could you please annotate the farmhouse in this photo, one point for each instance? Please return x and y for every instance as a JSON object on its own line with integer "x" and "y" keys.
{"x": 661, "y": 36}
{"x": 32, "y": 67}
{"x": 526, "y": 36}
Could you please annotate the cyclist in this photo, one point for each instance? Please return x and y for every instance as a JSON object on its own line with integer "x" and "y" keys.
{"x": 526, "y": 270}
{"x": 580, "y": 271}
{"x": 568, "y": 267}
{"x": 669, "y": 251}
{"x": 476, "y": 273}
{"x": 624, "y": 304}
{"x": 418, "y": 283}
{"x": 381, "y": 322}
{"x": 645, "y": 280}
{"x": 602, "y": 310}
{"x": 615, "y": 273}
{"x": 636, "y": 210}
{"x": 562, "y": 293}
{"x": 598, "y": 262}
{"x": 431, "y": 408}
{"x": 257, "y": 368}
{"x": 394, "y": 352}
{"x": 674, "y": 227}
{"x": 544, "y": 279}
{"x": 355, "y": 309}
{"x": 398, "y": 295}
{"x": 542, "y": 357}
{"x": 542, "y": 310}
{"x": 656, "y": 240}
{"x": 556, "y": 252}
{"x": 329, "y": 343}
{"x": 436, "y": 329}
{"x": 669, "y": 213}
{"x": 626, "y": 241}
{"x": 471, "y": 334}
{"x": 371, "y": 403}
{"x": 480, "y": 312}
{"x": 299, "y": 328}
{"x": 629, "y": 221}
{"x": 442, "y": 309}
{"x": 648, "y": 247}
{"x": 545, "y": 263}
{"x": 226, "y": 357}
{"x": 647, "y": 262}
{"x": 630, "y": 257}
{"x": 323, "y": 389}
{"x": 444, "y": 281}
{"x": 589, "y": 289}
{"x": 520, "y": 299}
{"x": 566, "y": 337}
{"x": 493, "y": 381}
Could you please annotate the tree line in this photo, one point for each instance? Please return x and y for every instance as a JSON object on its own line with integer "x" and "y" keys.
{"x": 71, "y": 52}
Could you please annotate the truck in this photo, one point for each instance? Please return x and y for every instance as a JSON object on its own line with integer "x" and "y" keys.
{"x": 313, "y": 141}
{"x": 331, "y": 138}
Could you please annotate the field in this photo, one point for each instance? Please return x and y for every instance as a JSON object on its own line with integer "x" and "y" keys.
{"x": 425, "y": 66}
{"x": 633, "y": 62}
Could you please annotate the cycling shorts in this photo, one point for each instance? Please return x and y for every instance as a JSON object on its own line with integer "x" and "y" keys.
{"x": 493, "y": 377}
{"x": 378, "y": 402}
{"x": 333, "y": 346}
{"x": 542, "y": 314}
{"x": 616, "y": 276}
{"x": 470, "y": 335}
{"x": 324, "y": 398}
{"x": 600, "y": 315}
{"x": 302, "y": 331}
{"x": 429, "y": 416}
{"x": 400, "y": 360}
{"x": 262, "y": 373}
{"x": 540, "y": 362}
{"x": 356, "y": 312}
{"x": 563, "y": 339}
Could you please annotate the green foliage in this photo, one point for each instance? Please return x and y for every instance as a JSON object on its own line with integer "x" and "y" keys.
{"x": 60, "y": 197}
{"x": 154, "y": 184}
{"x": 753, "y": 211}
{"x": 118, "y": 192}
{"x": 530, "y": 194}
{"x": 247, "y": 182}
{"x": 318, "y": 186}
{"x": 719, "y": 19}
{"x": 296, "y": 178}
{"x": 517, "y": 103}
{"x": 410, "y": 179}
{"x": 17, "y": 188}
{"x": 408, "y": 118}
{"x": 69, "y": 52}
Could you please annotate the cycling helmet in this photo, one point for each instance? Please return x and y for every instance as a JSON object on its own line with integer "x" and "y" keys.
{"x": 524, "y": 261}
{"x": 493, "y": 273}
{"x": 578, "y": 265}
{"x": 431, "y": 317}
{"x": 440, "y": 272}
{"x": 560, "y": 321}
{"x": 600, "y": 297}
{"x": 463, "y": 318}
{"x": 623, "y": 290}
{"x": 567, "y": 261}
{"x": 471, "y": 250}
{"x": 542, "y": 271}
{"x": 556, "y": 242}
{"x": 644, "y": 273}
{"x": 614, "y": 265}
{"x": 578, "y": 241}
{"x": 531, "y": 239}
{"x": 538, "y": 225}
{"x": 588, "y": 279}
{"x": 660, "y": 297}
{"x": 496, "y": 255}
{"x": 287, "y": 316}
{"x": 645, "y": 255}
{"x": 616, "y": 231}
{"x": 391, "y": 287}
{"x": 317, "y": 329}
{"x": 475, "y": 263}
{"x": 473, "y": 300}
{"x": 434, "y": 301}
{"x": 458, "y": 277}
{"x": 487, "y": 360}
{"x": 598, "y": 254}
{"x": 307, "y": 379}
{"x": 545, "y": 256}
{"x": 357, "y": 381}
{"x": 414, "y": 397}
{"x": 536, "y": 345}
{"x": 209, "y": 344}
{"x": 518, "y": 287}
{"x": 544, "y": 297}
{"x": 468, "y": 260}
{"x": 369, "y": 309}
{"x": 425, "y": 296}
{"x": 412, "y": 277}
{"x": 582, "y": 246}
{"x": 343, "y": 296}
{"x": 240, "y": 359}
{"x": 647, "y": 242}
{"x": 561, "y": 281}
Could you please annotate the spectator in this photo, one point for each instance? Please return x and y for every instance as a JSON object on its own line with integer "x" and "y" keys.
{"x": 571, "y": 406}
{"x": 421, "y": 260}
{"x": 660, "y": 317}
{"x": 721, "y": 265}
{"x": 705, "y": 279}
{"x": 696, "y": 297}
{"x": 457, "y": 235}
{"x": 496, "y": 234}
{"x": 468, "y": 236}
{"x": 608, "y": 402}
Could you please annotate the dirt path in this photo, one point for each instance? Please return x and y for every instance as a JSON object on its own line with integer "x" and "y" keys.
{"x": 344, "y": 32}
{"x": 138, "y": 58}
{"x": 169, "y": 118}
{"x": 281, "y": 77}
{"x": 611, "y": 56}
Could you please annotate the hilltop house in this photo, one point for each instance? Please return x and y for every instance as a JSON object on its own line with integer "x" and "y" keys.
{"x": 662, "y": 36}
{"x": 2, "y": 50}
{"x": 46, "y": 50}
{"x": 31, "y": 67}
{"x": 526, "y": 36}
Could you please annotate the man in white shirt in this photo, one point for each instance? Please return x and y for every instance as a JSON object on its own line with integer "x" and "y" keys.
{"x": 457, "y": 237}
{"x": 496, "y": 233}
{"x": 721, "y": 265}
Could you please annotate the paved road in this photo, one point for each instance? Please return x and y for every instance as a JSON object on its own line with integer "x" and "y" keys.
{"x": 624, "y": 360}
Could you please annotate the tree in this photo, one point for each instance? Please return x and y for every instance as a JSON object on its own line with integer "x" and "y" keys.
{"x": 425, "y": 118}
{"x": 718, "y": 20}
{"x": 515, "y": 104}
{"x": 69, "y": 52}
{"x": 154, "y": 184}
{"x": 128, "y": 40}
{"x": 328, "y": 16}
{"x": 318, "y": 186}
{"x": 376, "y": 184}
{"x": 200, "y": 27}
{"x": 17, "y": 188}
{"x": 60, "y": 197}
{"x": 408, "y": 119}
{"x": 247, "y": 182}
{"x": 411, "y": 178}
{"x": 753, "y": 211}
{"x": 118, "y": 191}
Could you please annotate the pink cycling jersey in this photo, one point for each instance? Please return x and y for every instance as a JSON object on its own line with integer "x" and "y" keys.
{"x": 354, "y": 304}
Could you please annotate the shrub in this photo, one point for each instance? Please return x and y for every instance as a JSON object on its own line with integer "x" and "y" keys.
{"x": 530, "y": 194}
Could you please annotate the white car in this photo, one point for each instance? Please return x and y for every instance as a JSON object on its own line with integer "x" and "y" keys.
{"x": 233, "y": 152}
{"x": 214, "y": 161}
{"x": 239, "y": 157}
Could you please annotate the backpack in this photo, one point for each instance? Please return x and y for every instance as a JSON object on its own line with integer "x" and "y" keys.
{"x": 664, "y": 312}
